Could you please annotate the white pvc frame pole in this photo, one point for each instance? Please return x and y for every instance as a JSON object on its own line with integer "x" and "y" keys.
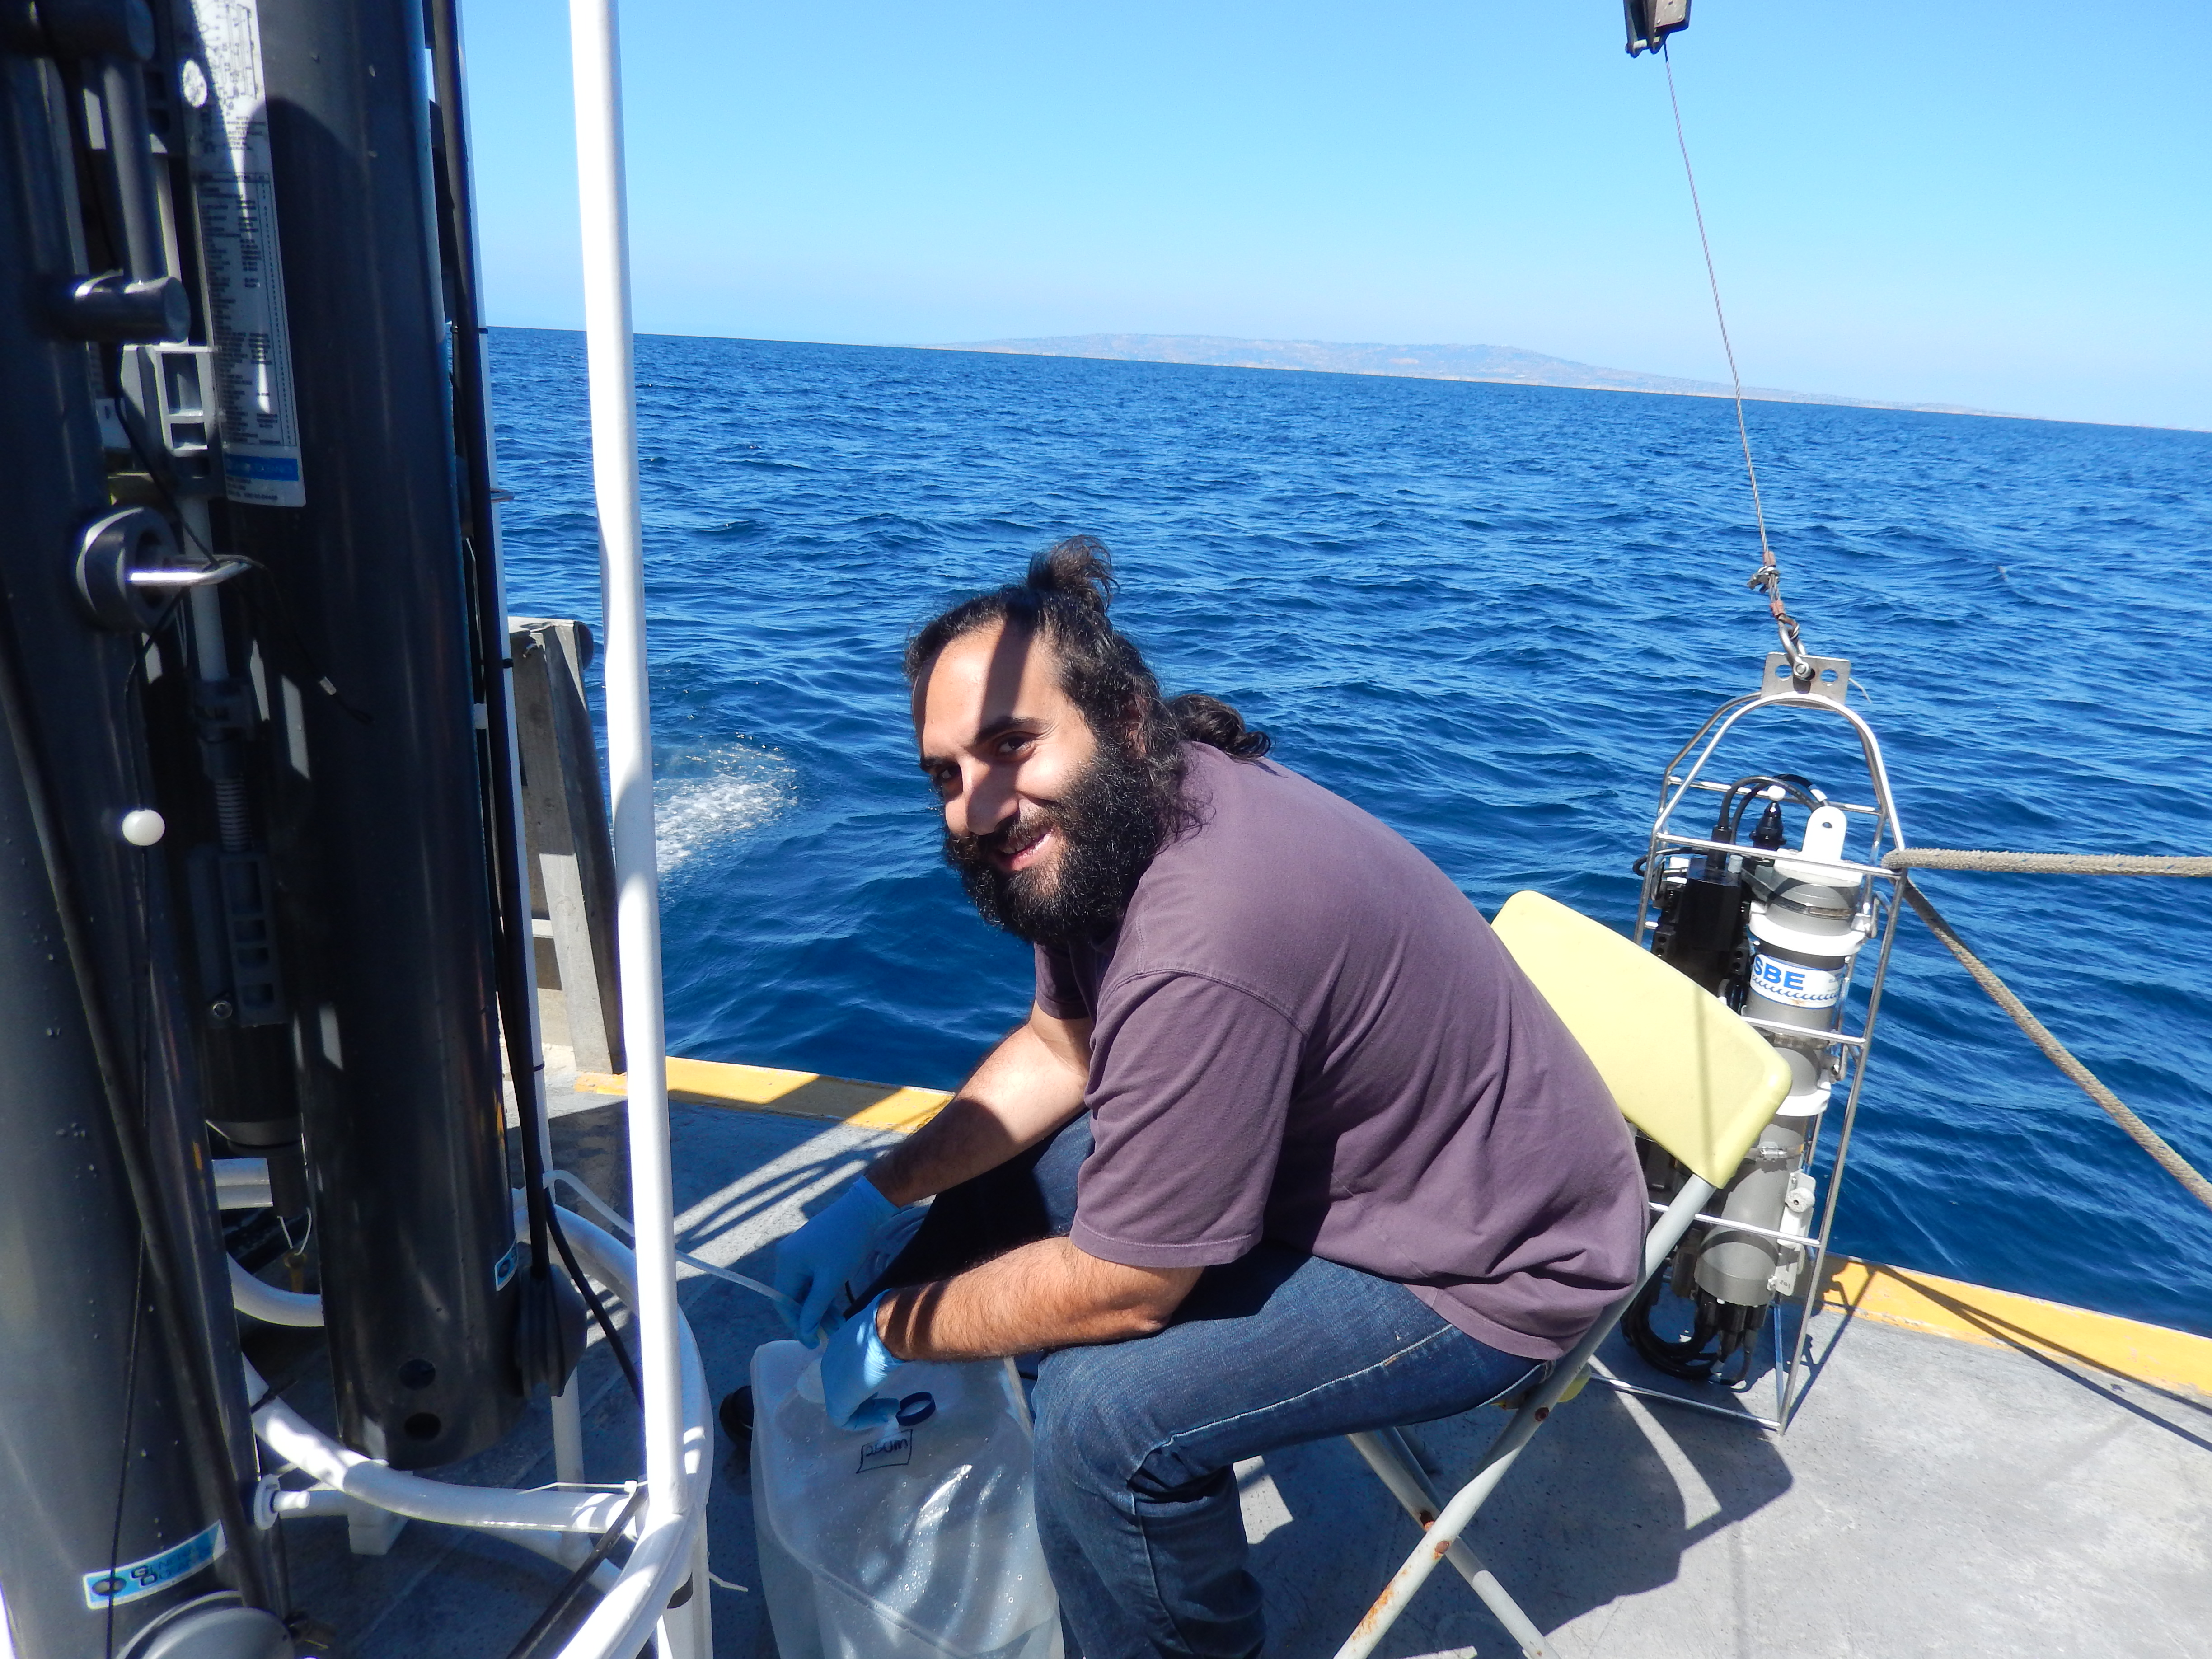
{"x": 597, "y": 65}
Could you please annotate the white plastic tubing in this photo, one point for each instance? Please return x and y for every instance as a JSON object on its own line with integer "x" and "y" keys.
{"x": 674, "y": 1506}
{"x": 629, "y": 1601}
{"x": 242, "y": 1183}
{"x": 298, "y": 1441}
{"x": 265, "y": 1302}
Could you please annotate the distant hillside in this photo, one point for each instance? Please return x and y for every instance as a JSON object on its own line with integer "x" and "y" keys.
{"x": 1506, "y": 364}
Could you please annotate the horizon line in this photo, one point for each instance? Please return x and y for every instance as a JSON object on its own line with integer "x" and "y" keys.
{"x": 1774, "y": 395}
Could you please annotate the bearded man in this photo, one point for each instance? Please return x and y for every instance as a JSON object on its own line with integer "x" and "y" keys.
{"x": 1286, "y": 1148}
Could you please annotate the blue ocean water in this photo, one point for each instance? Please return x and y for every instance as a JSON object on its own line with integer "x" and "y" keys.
{"x": 1489, "y": 614}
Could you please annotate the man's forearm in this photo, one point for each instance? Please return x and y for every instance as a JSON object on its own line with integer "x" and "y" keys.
{"x": 1050, "y": 1294}
{"x": 960, "y": 1143}
{"x": 1027, "y": 1088}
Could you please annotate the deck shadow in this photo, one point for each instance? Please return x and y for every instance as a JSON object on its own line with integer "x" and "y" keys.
{"x": 1602, "y": 1505}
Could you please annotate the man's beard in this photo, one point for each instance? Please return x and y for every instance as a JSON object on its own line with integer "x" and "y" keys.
{"x": 1110, "y": 823}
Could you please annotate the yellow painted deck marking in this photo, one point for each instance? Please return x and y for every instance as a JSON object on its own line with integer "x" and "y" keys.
{"x": 796, "y": 1094}
{"x": 902, "y": 1109}
{"x": 2002, "y": 1319}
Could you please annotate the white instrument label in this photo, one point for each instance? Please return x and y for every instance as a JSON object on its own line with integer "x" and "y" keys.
{"x": 1794, "y": 983}
{"x": 220, "y": 78}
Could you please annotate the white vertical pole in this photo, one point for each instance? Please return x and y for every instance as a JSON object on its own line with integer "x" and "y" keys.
{"x": 597, "y": 69}
{"x": 568, "y": 1434}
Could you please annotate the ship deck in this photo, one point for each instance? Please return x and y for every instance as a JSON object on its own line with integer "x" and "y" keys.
{"x": 1970, "y": 1472}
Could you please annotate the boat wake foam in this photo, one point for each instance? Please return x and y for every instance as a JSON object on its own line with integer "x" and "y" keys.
{"x": 704, "y": 798}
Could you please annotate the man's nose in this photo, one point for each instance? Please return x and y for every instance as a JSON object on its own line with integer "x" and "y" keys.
{"x": 986, "y": 802}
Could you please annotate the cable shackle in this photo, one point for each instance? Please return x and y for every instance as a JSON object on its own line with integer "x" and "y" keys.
{"x": 1767, "y": 578}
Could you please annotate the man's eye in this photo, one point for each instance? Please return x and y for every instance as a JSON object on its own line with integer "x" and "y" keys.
{"x": 1013, "y": 742}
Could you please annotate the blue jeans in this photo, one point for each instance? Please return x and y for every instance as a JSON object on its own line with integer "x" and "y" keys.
{"x": 1136, "y": 1442}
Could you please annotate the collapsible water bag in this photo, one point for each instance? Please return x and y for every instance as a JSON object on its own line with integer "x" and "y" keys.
{"x": 914, "y": 1539}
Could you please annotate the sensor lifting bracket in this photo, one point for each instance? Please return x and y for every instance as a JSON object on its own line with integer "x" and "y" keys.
{"x": 1832, "y": 676}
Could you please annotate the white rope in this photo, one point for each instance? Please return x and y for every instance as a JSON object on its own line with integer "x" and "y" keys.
{"x": 2049, "y": 864}
{"x": 2057, "y": 1052}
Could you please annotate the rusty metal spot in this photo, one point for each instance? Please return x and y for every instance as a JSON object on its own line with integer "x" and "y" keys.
{"x": 1368, "y": 1620}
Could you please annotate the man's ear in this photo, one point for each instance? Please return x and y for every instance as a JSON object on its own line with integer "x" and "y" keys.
{"x": 1133, "y": 727}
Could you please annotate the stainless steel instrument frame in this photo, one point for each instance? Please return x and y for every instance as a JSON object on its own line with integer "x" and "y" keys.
{"x": 1879, "y": 898}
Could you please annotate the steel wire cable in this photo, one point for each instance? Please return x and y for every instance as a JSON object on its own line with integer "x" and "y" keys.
{"x": 1768, "y": 577}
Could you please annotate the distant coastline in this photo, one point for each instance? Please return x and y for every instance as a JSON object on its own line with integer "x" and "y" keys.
{"x": 1503, "y": 365}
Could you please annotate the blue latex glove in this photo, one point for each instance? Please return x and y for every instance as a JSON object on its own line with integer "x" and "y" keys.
{"x": 812, "y": 1265}
{"x": 854, "y": 1363}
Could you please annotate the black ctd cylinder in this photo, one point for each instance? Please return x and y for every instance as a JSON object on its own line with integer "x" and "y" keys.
{"x": 96, "y": 1465}
{"x": 378, "y": 844}
{"x": 125, "y": 1456}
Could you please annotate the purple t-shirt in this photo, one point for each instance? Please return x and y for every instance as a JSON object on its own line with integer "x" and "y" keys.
{"x": 1305, "y": 1035}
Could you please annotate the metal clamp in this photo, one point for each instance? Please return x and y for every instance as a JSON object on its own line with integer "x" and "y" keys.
{"x": 113, "y": 551}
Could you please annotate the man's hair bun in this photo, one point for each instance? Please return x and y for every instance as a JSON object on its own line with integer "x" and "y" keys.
{"x": 1077, "y": 569}
{"x": 1201, "y": 718}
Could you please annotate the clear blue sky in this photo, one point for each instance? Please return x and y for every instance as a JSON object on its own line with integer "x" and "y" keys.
{"x": 2005, "y": 203}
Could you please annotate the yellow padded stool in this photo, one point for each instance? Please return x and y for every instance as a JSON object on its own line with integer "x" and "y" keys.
{"x": 1691, "y": 1074}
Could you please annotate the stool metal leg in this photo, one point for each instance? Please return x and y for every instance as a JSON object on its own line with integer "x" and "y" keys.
{"x": 1453, "y": 1517}
{"x": 1388, "y": 1454}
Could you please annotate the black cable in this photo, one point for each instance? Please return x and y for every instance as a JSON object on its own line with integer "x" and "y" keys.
{"x": 154, "y": 476}
{"x": 576, "y": 1580}
{"x": 284, "y": 1572}
{"x": 320, "y": 679}
{"x": 592, "y": 1301}
{"x": 1686, "y": 1358}
{"x": 1799, "y": 789}
{"x": 130, "y": 1413}
{"x": 514, "y": 940}
{"x": 480, "y": 544}
{"x": 137, "y": 751}
{"x": 1729, "y": 820}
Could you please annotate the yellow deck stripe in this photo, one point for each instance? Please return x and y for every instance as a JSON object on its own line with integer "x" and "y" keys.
{"x": 796, "y": 1094}
{"x": 2002, "y": 1319}
{"x": 1889, "y": 1295}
